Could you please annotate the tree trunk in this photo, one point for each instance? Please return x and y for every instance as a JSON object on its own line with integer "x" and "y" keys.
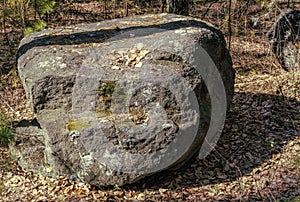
{"x": 126, "y": 9}
{"x": 180, "y": 7}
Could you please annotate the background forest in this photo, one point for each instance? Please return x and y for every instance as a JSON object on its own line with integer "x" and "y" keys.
{"x": 258, "y": 155}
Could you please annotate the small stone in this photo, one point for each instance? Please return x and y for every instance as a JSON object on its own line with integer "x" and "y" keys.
{"x": 167, "y": 126}
{"x": 115, "y": 67}
{"x": 138, "y": 65}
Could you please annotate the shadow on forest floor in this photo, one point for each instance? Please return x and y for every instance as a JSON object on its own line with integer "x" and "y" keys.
{"x": 257, "y": 127}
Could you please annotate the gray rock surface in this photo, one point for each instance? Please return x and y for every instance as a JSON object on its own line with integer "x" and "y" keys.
{"x": 284, "y": 37}
{"x": 119, "y": 100}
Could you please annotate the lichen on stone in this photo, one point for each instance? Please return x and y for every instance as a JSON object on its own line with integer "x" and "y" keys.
{"x": 76, "y": 125}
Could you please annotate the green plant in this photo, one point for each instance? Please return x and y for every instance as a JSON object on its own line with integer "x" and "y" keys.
{"x": 37, "y": 26}
{"x": 297, "y": 199}
{"x": 1, "y": 186}
{"x": 44, "y": 6}
{"x": 296, "y": 162}
{"x": 6, "y": 132}
{"x": 271, "y": 144}
{"x": 18, "y": 9}
{"x": 15, "y": 79}
{"x": 214, "y": 190}
{"x": 116, "y": 187}
{"x": 20, "y": 12}
{"x": 28, "y": 30}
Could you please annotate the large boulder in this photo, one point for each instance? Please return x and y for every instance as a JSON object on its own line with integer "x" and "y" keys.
{"x": 119, "y": 100}
{"x": 284, "y": 38}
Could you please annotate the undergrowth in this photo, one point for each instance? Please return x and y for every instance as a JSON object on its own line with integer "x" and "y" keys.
{"x": 6, "y": 131}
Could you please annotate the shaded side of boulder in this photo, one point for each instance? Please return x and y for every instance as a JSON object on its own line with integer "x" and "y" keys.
{"x": 120, "y": 100}
{"x": 284, "y": 38}
{"x": 29, "y": 147}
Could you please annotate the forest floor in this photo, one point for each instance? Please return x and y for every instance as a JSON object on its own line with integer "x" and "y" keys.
{"x": 256, "y": 159}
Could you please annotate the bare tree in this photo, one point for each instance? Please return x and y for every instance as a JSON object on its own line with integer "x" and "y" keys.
{"x": 4, "y": 15}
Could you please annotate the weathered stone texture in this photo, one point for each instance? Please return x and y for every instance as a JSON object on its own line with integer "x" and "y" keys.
{"x": 114, "y": 99}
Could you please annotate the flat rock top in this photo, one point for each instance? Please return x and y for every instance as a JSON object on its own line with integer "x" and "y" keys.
{"x": 62, "y": 51}
{"x": 84, "y": 35}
